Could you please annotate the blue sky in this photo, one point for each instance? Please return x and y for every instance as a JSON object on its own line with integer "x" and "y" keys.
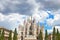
{"x": 14, "y": 12}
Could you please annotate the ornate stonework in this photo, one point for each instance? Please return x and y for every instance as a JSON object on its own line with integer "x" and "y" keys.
{"x": 29, "y": 31}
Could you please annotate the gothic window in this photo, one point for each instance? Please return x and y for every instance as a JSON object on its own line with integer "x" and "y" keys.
{"x": 33, "y": 21}
{"x": 37, "y": 30}
{"x": 30, "y": 33}
{"x": 30, "y": 27}
{"x": 21, "y": 37}
{"x": 21, "y": 33}
{"x": 26, "y": 31}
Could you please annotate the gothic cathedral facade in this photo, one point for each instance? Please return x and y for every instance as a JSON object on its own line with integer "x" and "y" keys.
{"x": 30, "y": 30}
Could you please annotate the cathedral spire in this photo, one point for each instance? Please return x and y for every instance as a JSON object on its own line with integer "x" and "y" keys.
{"x": 31, "y": 18}
{"x": 38, "y": 23}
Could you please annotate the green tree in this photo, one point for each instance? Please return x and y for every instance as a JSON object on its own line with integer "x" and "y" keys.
{"x": 2, "y": 35}
{"x": 54, "y": 34}
{"x": 40, "y": 36}
{"x": 15, "y": 35}
{"x": 57, "y": 35}
{"x": 10, "y": 36}
{"x": 46, "y": 35}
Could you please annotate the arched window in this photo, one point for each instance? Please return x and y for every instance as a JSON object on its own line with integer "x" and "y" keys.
{"x": 30, "y": 32}
{"x": 21, "y": 37}
{"x": 26, "y": 31}
{"x": 30, "y": 28}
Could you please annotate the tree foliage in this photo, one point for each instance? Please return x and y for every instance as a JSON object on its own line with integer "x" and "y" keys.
{"x": 57, "y": 35}
{"x": 2, "y": 35}
{"x": 40, "y": 36}
{"x": 54, "y": 34}
{"x": 46, "y": 35}
{"x": 10, "y": 36}
{"x": 15, "y": 35}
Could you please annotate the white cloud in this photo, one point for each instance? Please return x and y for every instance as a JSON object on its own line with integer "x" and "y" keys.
{"x": 40, "y": 16}
{"x": 57, "y": 17}
{"x": 1, "y": 7}
{"x": 55, "y": 20}
{"x": 16, "y": 18}
{"x": 50, "y": 30}
{"x": 56, "y": 12}
{"x": 2, "y": 17}
{"x": 6, "y": 3}
{"x": 55, "y": 1}
{"x": 43, "y": 14}
{"x": 13, "y": 17}
{"x": 50, "y": 22}
{"x": 35, "y": 5}
{"x": 14, "y": 5}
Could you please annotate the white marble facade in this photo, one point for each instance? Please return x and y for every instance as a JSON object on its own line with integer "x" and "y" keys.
{"x": 29, "y": 31}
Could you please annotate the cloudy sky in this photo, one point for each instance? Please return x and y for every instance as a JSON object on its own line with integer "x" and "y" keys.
{"x": 14, "y": 12}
